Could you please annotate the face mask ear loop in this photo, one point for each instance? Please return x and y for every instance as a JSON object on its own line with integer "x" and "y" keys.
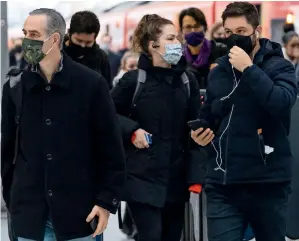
{"x": 52, "y": 45}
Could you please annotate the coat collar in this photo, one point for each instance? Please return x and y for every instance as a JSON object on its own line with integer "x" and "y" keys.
{"x": 61, "y": 77}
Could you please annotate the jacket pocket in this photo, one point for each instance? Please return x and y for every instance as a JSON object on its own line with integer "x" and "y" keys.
{"x": 141, "y": 161}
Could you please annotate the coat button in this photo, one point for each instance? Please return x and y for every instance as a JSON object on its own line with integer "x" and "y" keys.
{"x": 48, "y": 88}
{"x": 48, "y": 122}
{"x": 50, "y": 193}
{"x": 49, "y": 157}
{"x": 115, "y": 202}
{"x": 17, "y": 119}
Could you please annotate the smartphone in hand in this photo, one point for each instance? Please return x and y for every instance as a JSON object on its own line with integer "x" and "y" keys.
{"x": 148, "y": 138}
{"x": 94, "y": 223}
{"x": 199, "y": 123}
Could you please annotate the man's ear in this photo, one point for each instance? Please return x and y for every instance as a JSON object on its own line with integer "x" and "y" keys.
{"x": 259, "y": 31}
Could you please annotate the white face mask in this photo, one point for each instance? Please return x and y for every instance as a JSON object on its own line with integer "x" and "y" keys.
{"x": 173, "y": 53}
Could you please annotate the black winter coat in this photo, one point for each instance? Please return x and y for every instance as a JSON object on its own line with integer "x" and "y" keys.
{"x": 263, "y": 100}
{"x": 158, "y": 174}
{"x": 71, "y": 153}
{"x": 96, "y": 59}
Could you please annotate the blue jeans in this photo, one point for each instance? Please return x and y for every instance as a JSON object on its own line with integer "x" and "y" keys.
{"x": 50, "y": 235}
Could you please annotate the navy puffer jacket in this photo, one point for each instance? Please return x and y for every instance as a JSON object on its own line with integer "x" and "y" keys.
{"x": 263, "y": 100}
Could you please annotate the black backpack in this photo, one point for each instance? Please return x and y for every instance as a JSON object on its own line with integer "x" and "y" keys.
{"x": 142, "y": 79}
{"x": 16, "y": 92}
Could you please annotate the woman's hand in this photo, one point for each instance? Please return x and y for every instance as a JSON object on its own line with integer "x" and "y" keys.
{"x": 139, "y": 139}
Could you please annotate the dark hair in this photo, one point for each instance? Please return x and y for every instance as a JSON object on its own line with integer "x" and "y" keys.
{"x": 239, "y": 9}
{"x": 288, "y": 27}
{"x": 195, "y": 13}
{"x": 288, "y": 36}
{"x": 66, "y": 38}
{"x": 215, "y": 27}
{"x": 149, "y": 29}
{"x": 85, "y": 22}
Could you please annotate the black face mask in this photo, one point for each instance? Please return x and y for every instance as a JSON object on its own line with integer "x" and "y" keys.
{"x": 220, "y": 40}
{"x": 77, "y": 51}
{"x": 243, "y": 42}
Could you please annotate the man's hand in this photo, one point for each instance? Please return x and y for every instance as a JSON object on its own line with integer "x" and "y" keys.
{"x": 103, "y": 216}
{"x": 203, "y": 138}
{"x": 239, "y": 58}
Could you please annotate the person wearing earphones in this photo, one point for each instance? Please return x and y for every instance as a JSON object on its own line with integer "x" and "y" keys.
{"x": 249, "y": 100}
{"x": 156, "y": 185}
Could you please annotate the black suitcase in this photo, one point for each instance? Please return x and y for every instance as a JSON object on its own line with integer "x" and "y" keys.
{"x": 195, "y": 226}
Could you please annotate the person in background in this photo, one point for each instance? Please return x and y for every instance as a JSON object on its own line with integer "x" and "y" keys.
{"x": 288, "y": 27}
{"x": 128, "y": 48}
{"x": 250, "y": 96}
{"x": 16, "y": 56}
{"x": 62, "y": 159}
{"x": 114, "y": 59}
{"x": 199, "y": 52}
{"x": 218, "y": 33}
{"x": 128, "y": 62}
{"x": 156, "y": 187}
{"x": 10, "y": 44}
{"x": 291, "y": 50}
{"x": 81, "y": 45}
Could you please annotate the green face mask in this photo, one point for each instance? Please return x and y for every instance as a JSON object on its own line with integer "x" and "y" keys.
{"x": 33, "y": 53}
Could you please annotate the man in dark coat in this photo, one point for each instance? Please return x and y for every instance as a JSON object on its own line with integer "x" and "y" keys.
{"x": 114, "y": 59}
{"x": 81, "y": 45}
{"x": 69, "y": 166}
{"x": 250, "y": 95}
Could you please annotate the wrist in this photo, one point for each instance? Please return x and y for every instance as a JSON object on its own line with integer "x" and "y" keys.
{"x": 133, "y": 137}
{"x": 247, "y": 67}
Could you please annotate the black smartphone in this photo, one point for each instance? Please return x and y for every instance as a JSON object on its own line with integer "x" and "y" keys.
{"x": 199, "y": 123}
{"x": 94, "y": 223}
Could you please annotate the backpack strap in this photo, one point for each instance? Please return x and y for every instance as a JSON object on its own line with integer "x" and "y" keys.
{"x": 186, "y": 83}
{"x": 140, "y": 85}
{"x": 142, "y": 78}
{"x": 16, "y": 93}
